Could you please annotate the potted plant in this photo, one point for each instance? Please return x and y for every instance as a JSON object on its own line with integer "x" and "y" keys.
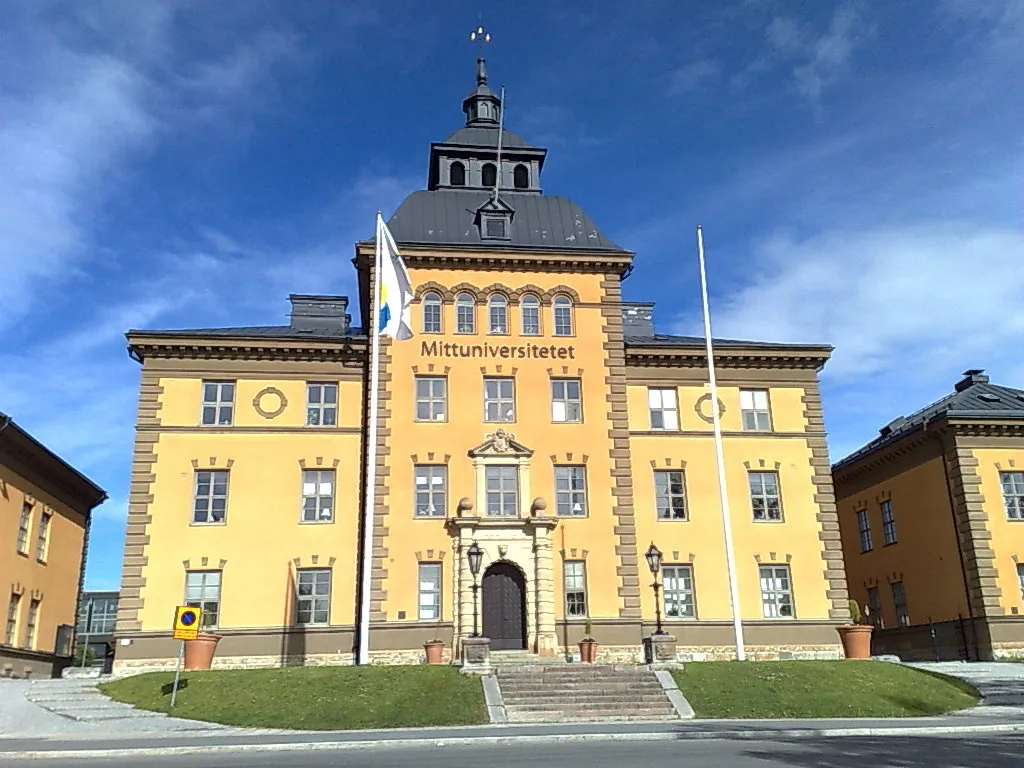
{"x": 199, "y": 652}
{"x": 435, "y": 648}
{"x": 856, "y": 636}
{"x": 588, "y": 645}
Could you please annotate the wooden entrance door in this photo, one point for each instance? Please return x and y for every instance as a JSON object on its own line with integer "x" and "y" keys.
{"x": 504, "y": 607}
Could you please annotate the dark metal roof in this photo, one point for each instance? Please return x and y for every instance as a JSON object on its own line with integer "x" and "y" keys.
{"x": 669, "y": 340}
{"x": 487, "y": 136}
{"x": 259, "y": 332}
{"x": 447, "y": 217}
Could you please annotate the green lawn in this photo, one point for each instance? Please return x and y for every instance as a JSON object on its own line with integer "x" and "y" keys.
{"x": 768, "y": 689}
{"x": 314, "y": 698}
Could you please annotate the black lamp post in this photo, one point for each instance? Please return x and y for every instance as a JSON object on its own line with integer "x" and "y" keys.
{"x": 653, "y": 556}
{"x": 476, "y": 556}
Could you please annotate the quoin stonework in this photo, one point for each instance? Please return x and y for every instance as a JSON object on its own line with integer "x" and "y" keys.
{"x": 535, "y": 413}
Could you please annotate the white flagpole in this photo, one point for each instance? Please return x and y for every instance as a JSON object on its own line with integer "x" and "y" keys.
{"x": 730, "y": 558}
{"x": 501, "y": 130}
{"x": 370, "y": 503}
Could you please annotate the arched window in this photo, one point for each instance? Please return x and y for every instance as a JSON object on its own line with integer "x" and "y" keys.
{"x": 489, "y": 175}
{"x": 531, "y": 315}
{"x": 457, "y": 174}
{"x": 465, "y": 313}
{"x": 497, "y": 310}
{"x": 521, "y": 177}
{"x": 563, "y": 316}
{"x": 431, "y": 313}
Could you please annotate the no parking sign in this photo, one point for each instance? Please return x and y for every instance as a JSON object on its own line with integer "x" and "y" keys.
{"x": 186, "y": 622}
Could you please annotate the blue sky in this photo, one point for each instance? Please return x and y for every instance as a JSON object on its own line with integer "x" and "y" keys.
{"x": 856, "y": 167}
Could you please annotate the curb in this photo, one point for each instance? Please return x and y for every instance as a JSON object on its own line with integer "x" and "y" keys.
{"x": 682, "y": 735}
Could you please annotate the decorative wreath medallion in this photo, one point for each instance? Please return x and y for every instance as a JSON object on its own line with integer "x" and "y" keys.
{"x": 265, "y": 404}
{"x": 698, "y": 407}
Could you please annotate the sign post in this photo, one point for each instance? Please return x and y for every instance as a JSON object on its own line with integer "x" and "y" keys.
{"x": 186, "y": 627}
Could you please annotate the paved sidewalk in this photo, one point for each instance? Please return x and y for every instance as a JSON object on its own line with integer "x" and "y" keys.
{"x": 1001, "y": 685}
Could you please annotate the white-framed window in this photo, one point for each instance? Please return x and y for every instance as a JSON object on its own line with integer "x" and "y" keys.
{"x": 530, "y": 307}
{"x": 776, "y": 592}
{"x": 875, "y": 608}
{"x": 13, "y": 608}
{"x": 313, "y": 598}
{"x": 1020, "y": 578}
{"x": 670, "y": 494}
{"x": 318, "y": 495}
{"x": 888, "y": 522}
{"x": 431, "y": 481}
{"x": 757, "y": 416}
{"x": 43, "y": 537}
{"x": 864, "y": 526}
{"x": 202, "y": 590}
{"x": 677, "y": 591}
{"x": 321, "y": 404}
{"x": 571, "y": 491}
{"x": 664, "y": 407}
{"x": 218, "y": 403}
{"x": 566, "y": 404}
{"x": 502, "y": 490}
{"x": 499, "y": 399}
{"x": 98, "y": 616}
{"x": 430, "y": 591}
{"x": 575, "y": 580}
{"x": 497, "y": 314}
{"x": 562, "y": 310}
{"x": 431, "y": 398}
{"x": 1013, "y": 494}
{"x": 431, "y": 312}
{"x": 24, "y": 527}
{"x": 30, "y": 623}
{"x": 211, "y": 497}
{"x": 465, "y": 313}
{"x": 899, "y": 599}
{"x": 765, "y": 499}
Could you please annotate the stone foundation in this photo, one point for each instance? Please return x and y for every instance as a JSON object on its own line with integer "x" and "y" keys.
{"x": 1003, "y": 651}
{"x": 761, "y": 653}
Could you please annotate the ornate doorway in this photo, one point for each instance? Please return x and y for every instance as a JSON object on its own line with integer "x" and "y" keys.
{"x": 504, "y": 607}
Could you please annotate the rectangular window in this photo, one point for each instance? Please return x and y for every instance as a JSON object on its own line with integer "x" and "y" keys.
{"x": 211, "y": 499}
{"x": 465, "y": 314}
{"x": 575, "y": 574}
{"x": 664, "y": 409}
{"x": 430, "y": 591}
{"x": 11, "y": 633}
{"x": 218, "y": 403}
{"x": 431, "y": 313}
{"x": 202, "y": 590}
{"x": 864, "y": 526}
{"x": 764, "y": 495}
{"x": 531, "y": 316}
{"x": 30, "y": 623}
{"x": 1020, "y": 578}
{"x": 103, "y": 615}
{"x": 776, "y": 592}
{"x": 317, "y": 495}
{"x": 431, "y": 482}
{"x": 875, "y": 608}
{"x": 566, "y": 405}
{"x": 670, "y": 494}
{"x": 43, "y": 539}
{"x": 1013, "y": 494}
{"x": 321, "y": 405}
{"x": 314, "y": 596}
{"x": 571, "y": 491}
{"x": 899, "y": 599}
{"x": 24, "y": 526}
{"x": 502, "y": 491}
{"x": 431, "y": 398}
{"x": 499, "y": 399}
{"x": 677, "y": 587}
{"x": 755, "y": 410}
{"x": 888, "y": 523}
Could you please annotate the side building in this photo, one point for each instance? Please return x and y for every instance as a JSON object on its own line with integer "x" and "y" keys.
{"x": 535, "y": 414}
{"x": 932, "y": 521}
{"x": 45, "y": 506}
{"x": 97, "y": 617}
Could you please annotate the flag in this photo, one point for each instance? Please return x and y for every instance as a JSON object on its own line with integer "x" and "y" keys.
{"x": 395, "y": 297}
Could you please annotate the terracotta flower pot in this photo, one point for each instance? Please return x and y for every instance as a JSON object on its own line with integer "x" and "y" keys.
{"x": 588, "y": 651}
{"x": 434, "y": 650}
{"x": 856, "y": 640}
{"x": 199, "y": 652}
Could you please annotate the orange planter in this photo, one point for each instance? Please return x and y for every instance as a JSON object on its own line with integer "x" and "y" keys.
{"x": 588, "y": 651}
{"x": 199, "y": 652}
{"x": 856, "y": 640}
{"x": 434, "y": 652}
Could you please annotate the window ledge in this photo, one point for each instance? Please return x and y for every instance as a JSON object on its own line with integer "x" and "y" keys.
{"x": 891, "y": 543}
{"x": 317, "y": 522}
{"x": 23, "y": 554}
{"x": 194, "y": 524}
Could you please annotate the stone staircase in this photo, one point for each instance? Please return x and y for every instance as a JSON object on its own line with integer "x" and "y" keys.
{"x": 564, "y": 693}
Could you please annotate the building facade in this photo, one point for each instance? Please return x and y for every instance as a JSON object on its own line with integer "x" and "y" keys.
{"x": 932, "y": 520}
{"x": 44, "y": 522}
{"x": 534, "y": 413}
{"x": 97, "y": 617}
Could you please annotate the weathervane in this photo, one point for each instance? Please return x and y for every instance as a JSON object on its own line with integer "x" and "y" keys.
{"x": 481, "y": 37}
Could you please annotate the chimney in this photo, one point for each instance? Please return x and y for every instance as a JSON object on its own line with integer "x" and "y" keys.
{"x": 638, "y": 319}
{"x": 321, "y": 314}
{"x": 892, "y": 426}
{"x": 971, "y": 377}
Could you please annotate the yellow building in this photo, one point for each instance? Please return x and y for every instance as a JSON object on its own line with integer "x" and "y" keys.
{"x": 932, "y": 520}
{"x": 534, "y": 412}
{"x": 44, "y": 522}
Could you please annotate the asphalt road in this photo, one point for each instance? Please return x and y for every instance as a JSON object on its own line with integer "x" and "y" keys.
{"x": 897, "y": 752}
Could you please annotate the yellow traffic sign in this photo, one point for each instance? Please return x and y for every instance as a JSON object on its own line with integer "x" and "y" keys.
{"x": 186, "y": 622}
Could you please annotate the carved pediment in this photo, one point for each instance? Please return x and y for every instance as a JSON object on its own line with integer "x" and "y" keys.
{"x": 501, "y": 443}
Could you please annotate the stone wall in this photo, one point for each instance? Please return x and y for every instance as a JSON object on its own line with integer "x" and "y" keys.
{"x": 761, "y": 653}
{"x": 17, "y": 663}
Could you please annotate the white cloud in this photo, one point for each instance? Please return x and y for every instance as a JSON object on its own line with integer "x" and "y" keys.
{"x": 693, "y": 75}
